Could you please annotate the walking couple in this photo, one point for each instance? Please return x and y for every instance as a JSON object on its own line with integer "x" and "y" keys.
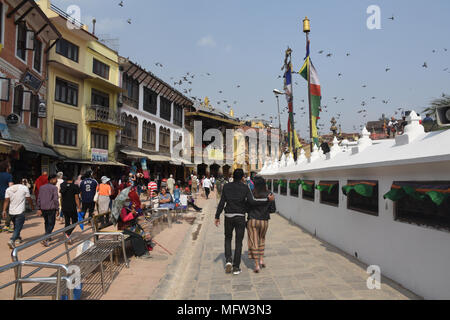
{"x": 237, "y": 199}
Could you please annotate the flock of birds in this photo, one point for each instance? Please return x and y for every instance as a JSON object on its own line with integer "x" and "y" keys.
{"x": 185, "y": 85}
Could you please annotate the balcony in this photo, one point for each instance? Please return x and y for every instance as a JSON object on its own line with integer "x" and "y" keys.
{"x": 104, "y": 115}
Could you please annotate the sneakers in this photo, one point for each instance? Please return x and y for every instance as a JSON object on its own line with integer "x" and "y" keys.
{"x": 45, "y": 243}
{"x": 145, "y": 256}
{"x": 228, "y": 267}
{"x": 236, "y": 271}
{"x": 11, "y": 244}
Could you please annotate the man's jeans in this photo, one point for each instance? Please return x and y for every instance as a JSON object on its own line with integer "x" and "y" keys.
{"x": 18, "y": 221}
{"x": 49, "y": 218}
{"x": 236, "y": 223}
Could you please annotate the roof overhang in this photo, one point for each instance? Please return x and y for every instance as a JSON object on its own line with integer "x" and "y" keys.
{"x": 106, "y": 84}
{"x": 202, "y": 114}
{"x": 29, "y": 11}
{"x": 67, "y": 69}
{"x": 108, "y": 163}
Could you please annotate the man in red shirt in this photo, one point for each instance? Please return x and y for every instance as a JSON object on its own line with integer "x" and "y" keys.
{"x": 152, "y": 188}
{"x": 41, "y": 181}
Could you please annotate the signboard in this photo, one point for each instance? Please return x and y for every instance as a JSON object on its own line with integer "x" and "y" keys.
{"x": 31, "y": 81}
{"x": 42, "y": 109}
{"x": 99, "y": 155}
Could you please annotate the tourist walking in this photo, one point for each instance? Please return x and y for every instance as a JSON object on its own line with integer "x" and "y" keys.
{"x": 70, "y": 204}
{"x": 213, "y": 182}
{"x": 207, "y": 186}
{"x": 6, "y": 181}
{"x": 88, "y": 188}
{"x": 220, "y": 182}
{"x": 258, "y": 223}
{"x": 59, "y": 216}
{"x": 41, "y": 181}
{"x": 171, "y": 184}
{"x": 15, "y": 197}
{"x": 152, "y": 189}
{"x": 236, "y": 196}
{"x": 48, "y": 204}
{"x": 194, "y": 185}
{"x": 104, "y": 193}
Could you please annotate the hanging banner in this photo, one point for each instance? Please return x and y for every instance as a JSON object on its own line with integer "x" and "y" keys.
{"x": 99, "y": 155}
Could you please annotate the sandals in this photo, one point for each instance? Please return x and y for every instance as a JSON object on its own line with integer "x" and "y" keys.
{"x": 256, "y": 270}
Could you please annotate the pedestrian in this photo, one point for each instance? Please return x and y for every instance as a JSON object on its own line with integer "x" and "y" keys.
{"x": 171, "y": 184}
{"x": 15, "y": 197}
{"x": 207, "y": 186}
{"x": 59, "y": 216}
{"x": 236, "y": 196}
{"x": 41, "y": 181}
{"x": 219, "y": 186}
{"x": 88, "y": 189}
{"x": 213, "y": 182}
{"x": 258, "y": 223}
{"x": 48, "y": 204}
{"x": 70, "y": 204}
{"x": 104, "y": 193}
{"x": 194, "y": 185}
{"x": 6, "y": 181}
{"x": 152, "y": 189}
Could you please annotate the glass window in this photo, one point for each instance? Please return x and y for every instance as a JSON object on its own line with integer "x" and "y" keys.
{"x": 67, "y": 49}
{"x": 150, "y": 97}
{"x": 34, "y": 116}
{"x": 66, "y": 92}
{"x": 21, "y": 44}
{"x": 99, "y": 139}
{"x": 308, "y": 190}
{"x": 164, "y": 140}
{"x": 148, "y": 136}
{"x": 18, "y": 100}
{"x": 166, "y": 109}
{"x": 99, "y": 98}
{"x": 363, "y": 203}
{"x": 101, "y": 69}
{"x": 65, "y": 133}
{"x": 178, "y": 115}
{"x": 329, "y": 192}
{"x": 37, "y": 61}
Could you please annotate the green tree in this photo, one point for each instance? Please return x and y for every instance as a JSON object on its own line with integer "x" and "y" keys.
{"x": 444, "y": 101}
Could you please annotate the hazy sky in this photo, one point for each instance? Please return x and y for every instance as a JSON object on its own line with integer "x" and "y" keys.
{"x": 242, "y": 42}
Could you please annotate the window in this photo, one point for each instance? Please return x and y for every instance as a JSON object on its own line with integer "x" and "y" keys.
{"x": 129, "y": 131}
{"x": 293, "y": 187}
{"x": 424, "y": 211}
{"x": 275, "y": 186}
{"x": 166, "y": 109}
{"x": 283, "y": 188}
{"x": 67, "y": 49}
{"x": 149, "y": 136}
{"x": 101, "y": 69}
{"x": 99, "y": 139}
{"x": 18, "y": 100}
{"x": 21, "y": 44}
{"x": 34, "y": 107}
{"x": 99, "y": 98}
{"x": 178, "y": 115}
{"x": 361, "y": 203}
{"x": 309, "y": 190}
{"x": 329, "y": 192}
{"x": 66, "y": 92}
{"x": 37, "y": 59}
{"x": 150, "y": 98}
{"x": 65, "y": 133}
{"x": 164, "y": 140}
{"x": 131, "y": 97}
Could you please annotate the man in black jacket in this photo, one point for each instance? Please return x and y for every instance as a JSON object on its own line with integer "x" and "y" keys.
{"x": 235, "y": 198}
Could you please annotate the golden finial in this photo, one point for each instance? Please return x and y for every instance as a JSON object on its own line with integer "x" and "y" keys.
{"x": 306, "y": 25}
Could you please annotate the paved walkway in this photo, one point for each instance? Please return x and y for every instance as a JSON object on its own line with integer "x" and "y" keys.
{"x": 299, "y": 266}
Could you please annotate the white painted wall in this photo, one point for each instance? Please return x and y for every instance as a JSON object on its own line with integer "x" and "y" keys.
{"x": 417, "y": 257}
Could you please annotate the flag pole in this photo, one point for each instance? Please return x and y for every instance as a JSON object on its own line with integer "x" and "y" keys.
{"x": 306, "y": 30}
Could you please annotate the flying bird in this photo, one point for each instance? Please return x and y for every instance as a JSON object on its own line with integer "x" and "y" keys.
{"x": 425, "y": 65}
{"x": 387, "y": 69}
{"x": 329, "y": 55}
{"x": 348, "y": 54}
{"x": 391, "y": 18}
{"x": 321, "y": 51}
{"x": 121, "y": 4}
{"x": 129, "y": 21}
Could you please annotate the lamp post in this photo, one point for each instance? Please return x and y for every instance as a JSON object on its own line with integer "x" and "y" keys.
{"x": 307, "y": 30}
{"x": 281, "y": 136}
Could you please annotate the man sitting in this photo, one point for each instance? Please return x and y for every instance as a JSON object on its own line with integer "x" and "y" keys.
{"x": 165, "y": 199}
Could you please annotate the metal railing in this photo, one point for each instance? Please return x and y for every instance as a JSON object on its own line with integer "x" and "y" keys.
{"x": 98, "y": 113}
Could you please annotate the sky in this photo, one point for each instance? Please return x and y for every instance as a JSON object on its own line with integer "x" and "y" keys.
{"x": 242, "y": 42}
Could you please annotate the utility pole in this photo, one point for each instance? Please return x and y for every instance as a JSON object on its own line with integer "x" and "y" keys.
{"x": 307, "y": 30}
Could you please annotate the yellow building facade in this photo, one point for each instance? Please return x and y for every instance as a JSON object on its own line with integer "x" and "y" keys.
{"x": 83, "y": 89}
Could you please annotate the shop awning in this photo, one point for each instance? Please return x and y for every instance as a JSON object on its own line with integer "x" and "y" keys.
{"x": 181, "y": 161}
{"x": 96, "y": 163}
{"x": 151, "y": 157}
{"x": 30, "y": 139}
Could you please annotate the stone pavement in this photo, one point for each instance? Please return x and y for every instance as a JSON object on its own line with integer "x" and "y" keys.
{"x": 299, "y": 266}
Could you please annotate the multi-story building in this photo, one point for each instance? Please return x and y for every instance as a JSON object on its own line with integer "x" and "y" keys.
{"x": 153, "y": 114}
{"x": 83, "y": 89}
{"x": 26, "y": 36}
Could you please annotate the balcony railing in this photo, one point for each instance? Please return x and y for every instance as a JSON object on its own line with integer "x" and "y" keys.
{"x": 103, "y": 114}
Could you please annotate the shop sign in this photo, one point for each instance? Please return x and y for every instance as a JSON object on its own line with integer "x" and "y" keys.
{"x": 31, "y": 81}
{"x": 42, "y": 110}
{"x": 99, "y": 155}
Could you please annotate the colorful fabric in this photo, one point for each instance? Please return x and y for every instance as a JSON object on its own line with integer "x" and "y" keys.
{"x": 326, "y": 187}
{"x": 256, "y": 231}
{"x": 309, "y": 73}
{"x": 362, "y": 188}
